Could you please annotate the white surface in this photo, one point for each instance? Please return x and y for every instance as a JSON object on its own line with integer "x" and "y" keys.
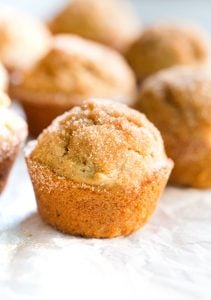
{"x": 170, "y": 258}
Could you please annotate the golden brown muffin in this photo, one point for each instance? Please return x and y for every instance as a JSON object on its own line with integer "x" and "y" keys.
{"x": 23, "y": 39}
{"x": 3, "y": 78}
{"x": 98, "y": 170}
{"x": 178, "y": 102}
{"x": 13, "y": 131}
{"x": 111, "y": 22}
{"x": 72, "y": 70}
{"x": 164, "y": 45}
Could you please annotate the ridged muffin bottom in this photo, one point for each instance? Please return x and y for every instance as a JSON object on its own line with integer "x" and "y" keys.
{"x": 40, "y": 115}
{"x": 95, "y": 211}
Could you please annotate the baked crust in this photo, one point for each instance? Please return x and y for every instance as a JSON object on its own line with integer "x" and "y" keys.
{"x": 40, "y": 115}
{"x": 98, "y": 170}
{"x": 164, "y": 45}
{"x": 111, "y": 22}
{"x": 91, "y": 211}
{"x": 178, "y": 102}
{"x": 73, "y": 70}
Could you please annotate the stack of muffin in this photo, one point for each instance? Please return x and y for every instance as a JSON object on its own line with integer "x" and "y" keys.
{"x": 98, "y": 170}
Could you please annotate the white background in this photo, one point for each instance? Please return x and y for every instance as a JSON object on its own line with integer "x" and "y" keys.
{"x": 149, "y": 10}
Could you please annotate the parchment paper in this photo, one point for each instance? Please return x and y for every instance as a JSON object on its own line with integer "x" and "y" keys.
{"x": 170, "y": 258}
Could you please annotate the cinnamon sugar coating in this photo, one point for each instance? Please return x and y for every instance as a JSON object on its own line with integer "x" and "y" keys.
{"x": 72, "y": 70}
{"x": 75, "y": 68}
{"x": 178, "y": 102}
{"x": 103, "y": 152}
{"x": 101, "y": 143}
{"x": 165, "y": 45}
{"x": 111, "y": 22}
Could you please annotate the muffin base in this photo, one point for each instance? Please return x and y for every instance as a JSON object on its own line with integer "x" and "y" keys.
{"x": 41, "y": 109}
{"x": 192, "y": 165}
{"x": 94, "y": 211}
{"x": 40, "y": 115}
{"x": 6, "y": 164}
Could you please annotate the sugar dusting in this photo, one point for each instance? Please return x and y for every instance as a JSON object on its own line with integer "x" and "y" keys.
{"x": 187, "y": 87}
{"x": 75, "y": 69}
{"x": 101, "y": 143}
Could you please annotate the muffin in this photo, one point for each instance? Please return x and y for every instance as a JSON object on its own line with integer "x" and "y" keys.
{"x": 111, "y": 22}
{"x": 73, "y": 70}
{"x": 3, "y": 78}
{"x": 23, "y": 39}
{"x": 178, "y": 102}
{"x": 13, "y": 131}
{"x": 98, "y": 170}
{"x": 164, "y": 45}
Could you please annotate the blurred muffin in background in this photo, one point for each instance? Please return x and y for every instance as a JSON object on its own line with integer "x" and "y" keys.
{"x": 3, "y": 78}
{"x": 72, "y": 70}
{"x": 178, "y": 102}
{"x": 23, "y": 39}
{"x": 111, "y": 22}
{"x": 98, "y": 170}
{"x": 13, "y": 131}
{"x": 165, "y": 45}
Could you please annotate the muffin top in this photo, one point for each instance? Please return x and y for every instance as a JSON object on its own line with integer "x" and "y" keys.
{"x": 23, "y": 39}
{"x": 180, "y": 96}
{"x": 3, "y": 78}
{"x": 111, "y": 22}
{"x": 164, "y": 45}
{"x": 75, "y": 69}
{"x": 13, "y": 129}
{"x": 101, "y": 143}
